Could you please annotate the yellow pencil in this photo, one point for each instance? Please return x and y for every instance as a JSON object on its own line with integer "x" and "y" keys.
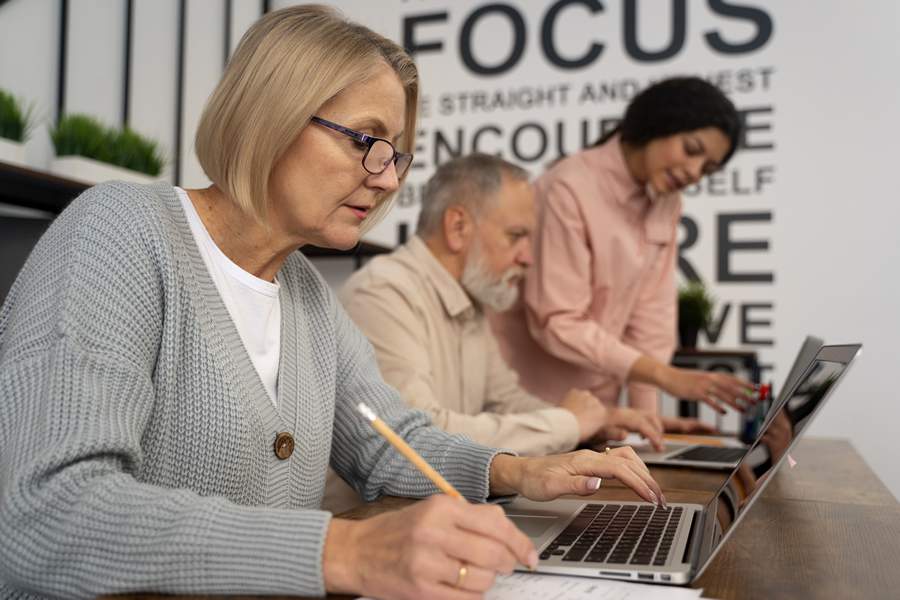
{"x": 410, "y": 454}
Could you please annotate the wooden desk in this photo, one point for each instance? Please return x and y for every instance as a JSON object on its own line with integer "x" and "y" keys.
{"x": 827, "y": 528}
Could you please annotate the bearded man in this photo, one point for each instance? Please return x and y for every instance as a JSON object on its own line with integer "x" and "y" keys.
{"x": 423, "y": 309}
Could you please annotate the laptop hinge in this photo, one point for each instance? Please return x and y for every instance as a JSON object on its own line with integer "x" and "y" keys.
{"x": 695, "y": 540}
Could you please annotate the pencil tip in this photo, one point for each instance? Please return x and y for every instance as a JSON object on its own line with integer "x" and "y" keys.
{"x": 366, "y": 411}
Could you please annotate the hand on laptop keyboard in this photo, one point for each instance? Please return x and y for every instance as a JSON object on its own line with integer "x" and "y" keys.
{"x": 620, "y": 421}
{"x": 686, "y": 425}
{"x": 548, "y": 477}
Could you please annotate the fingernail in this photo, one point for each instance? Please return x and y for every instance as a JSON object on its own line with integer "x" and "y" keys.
{"x": 532, "y": 560}
{"x": 655, "y": 499}
{"x": 594, "y": 483}
{"x": 664, "y": 501}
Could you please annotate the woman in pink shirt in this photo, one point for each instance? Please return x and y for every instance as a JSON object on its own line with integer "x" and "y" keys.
{"x": 599, "y": 305}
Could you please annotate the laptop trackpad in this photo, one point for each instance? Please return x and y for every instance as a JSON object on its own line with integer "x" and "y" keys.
{"x": 532, "y": 525}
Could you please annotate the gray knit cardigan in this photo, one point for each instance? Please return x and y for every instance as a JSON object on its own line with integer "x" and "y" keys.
{"x": 136, "y": 439}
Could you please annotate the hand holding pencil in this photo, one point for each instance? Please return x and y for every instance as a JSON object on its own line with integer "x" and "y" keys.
{"x": 437, "y": 548}
{"x": 444, "y": 548}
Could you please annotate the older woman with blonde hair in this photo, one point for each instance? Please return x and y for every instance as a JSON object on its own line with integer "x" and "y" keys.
{"x": 176, "y": 378}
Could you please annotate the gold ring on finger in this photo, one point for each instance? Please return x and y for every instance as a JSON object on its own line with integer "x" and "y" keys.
{"x": 461, "y": 575}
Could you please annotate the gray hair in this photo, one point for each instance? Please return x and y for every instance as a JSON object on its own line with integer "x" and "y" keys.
{"x": 470, "y": 181}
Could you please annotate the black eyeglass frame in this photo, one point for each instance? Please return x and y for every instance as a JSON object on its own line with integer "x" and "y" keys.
{"x": 369, "y": 141}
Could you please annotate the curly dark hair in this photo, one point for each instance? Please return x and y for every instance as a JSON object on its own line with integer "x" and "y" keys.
{"x": 675, "y": 105}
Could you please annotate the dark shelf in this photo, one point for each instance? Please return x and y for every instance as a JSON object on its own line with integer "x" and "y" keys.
{"x": 25, "y": 187}
{"x": 21, "y": 186}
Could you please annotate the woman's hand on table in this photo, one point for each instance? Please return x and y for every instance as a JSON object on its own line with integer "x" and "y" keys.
{"x": 548, "y": 477}
{"x": 420, "y": 551}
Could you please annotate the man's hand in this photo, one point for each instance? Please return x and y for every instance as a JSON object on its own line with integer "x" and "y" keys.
{"x": 590, "y": 413}
{"x": 623, "y": 420}
{"x": 688, "y": 426}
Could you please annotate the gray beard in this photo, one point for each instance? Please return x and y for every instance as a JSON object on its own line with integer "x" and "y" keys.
{"x": 495, "y": 293}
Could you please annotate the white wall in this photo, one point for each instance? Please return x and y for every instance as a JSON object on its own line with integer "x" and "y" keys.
{"x": 828, "y": 73}
{"x": 839, "y": 254}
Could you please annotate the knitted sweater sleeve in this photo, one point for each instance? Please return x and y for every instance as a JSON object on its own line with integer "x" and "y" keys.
{"x": 369, "y": 463}
{"x": 78, "y": 337}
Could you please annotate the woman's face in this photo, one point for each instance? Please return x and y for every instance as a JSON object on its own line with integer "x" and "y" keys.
{"x": 672, "y": 163}
{"x": 319, "y": 191}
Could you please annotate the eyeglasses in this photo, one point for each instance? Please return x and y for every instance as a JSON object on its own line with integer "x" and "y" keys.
{"x": 380, "y": 153}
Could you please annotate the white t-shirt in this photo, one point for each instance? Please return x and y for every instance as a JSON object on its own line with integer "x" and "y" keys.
{"x": 253, "y": 303}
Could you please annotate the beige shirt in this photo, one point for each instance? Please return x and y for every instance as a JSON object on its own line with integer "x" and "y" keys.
{"x": 436, "y": 347}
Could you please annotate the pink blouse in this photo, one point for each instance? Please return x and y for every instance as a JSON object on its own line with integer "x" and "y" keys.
{"x": 601, "y": 291}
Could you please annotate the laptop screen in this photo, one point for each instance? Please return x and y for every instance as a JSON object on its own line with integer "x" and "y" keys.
{"x": 779, "y": 435}
{"x": 808, "y": 351}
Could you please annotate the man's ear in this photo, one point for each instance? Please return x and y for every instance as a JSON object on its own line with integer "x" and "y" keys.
{"x": 458, "y": 228}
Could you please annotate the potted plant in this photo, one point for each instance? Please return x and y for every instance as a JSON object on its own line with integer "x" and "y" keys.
{"x": 695, "y": 306}
{"x": 15, "y": 125}
{"x": 89, "y": 151}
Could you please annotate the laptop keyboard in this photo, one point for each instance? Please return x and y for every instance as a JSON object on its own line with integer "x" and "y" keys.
{"x": 712, "y": 454}
{"x": 617, "y": 534}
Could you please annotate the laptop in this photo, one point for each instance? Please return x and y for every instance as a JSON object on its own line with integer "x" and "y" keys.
{"x": 727, "y": 456}
{"x": 641, "y": 542}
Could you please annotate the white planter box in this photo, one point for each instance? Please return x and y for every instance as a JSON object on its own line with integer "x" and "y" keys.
{"x": 12, "y": 153}
{"x": 93, "y": 171}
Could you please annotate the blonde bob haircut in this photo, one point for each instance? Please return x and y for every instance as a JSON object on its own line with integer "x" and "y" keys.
{"x": 287, "y": 65}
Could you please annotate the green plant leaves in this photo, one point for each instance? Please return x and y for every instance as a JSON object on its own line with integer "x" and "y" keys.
{"x": 82, "y": 135}
{"x": 695, "y": 304}
{"x": 14, "y": 120}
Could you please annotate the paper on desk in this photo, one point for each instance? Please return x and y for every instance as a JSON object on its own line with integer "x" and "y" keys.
{"x": 532, "y": 586}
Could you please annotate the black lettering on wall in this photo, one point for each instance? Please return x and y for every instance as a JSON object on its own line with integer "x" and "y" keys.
{"x": 676, "y": 42}
{"x": 517, "y": 146}
{"x": 465, "y": 39}
{"x": 548, "y": 41}
{"x": 477, "y": 135}
{"x": 409, "y": 33}
{"x": 747, "y": 322}
{"x": 751, "y": 127}
{"x": 758, "y": 17}
{"x": 717, "y": 324}
{"x": 691, "y": 235}
{"x": 442, "y": 143}
{"x": 727, "y": 246}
